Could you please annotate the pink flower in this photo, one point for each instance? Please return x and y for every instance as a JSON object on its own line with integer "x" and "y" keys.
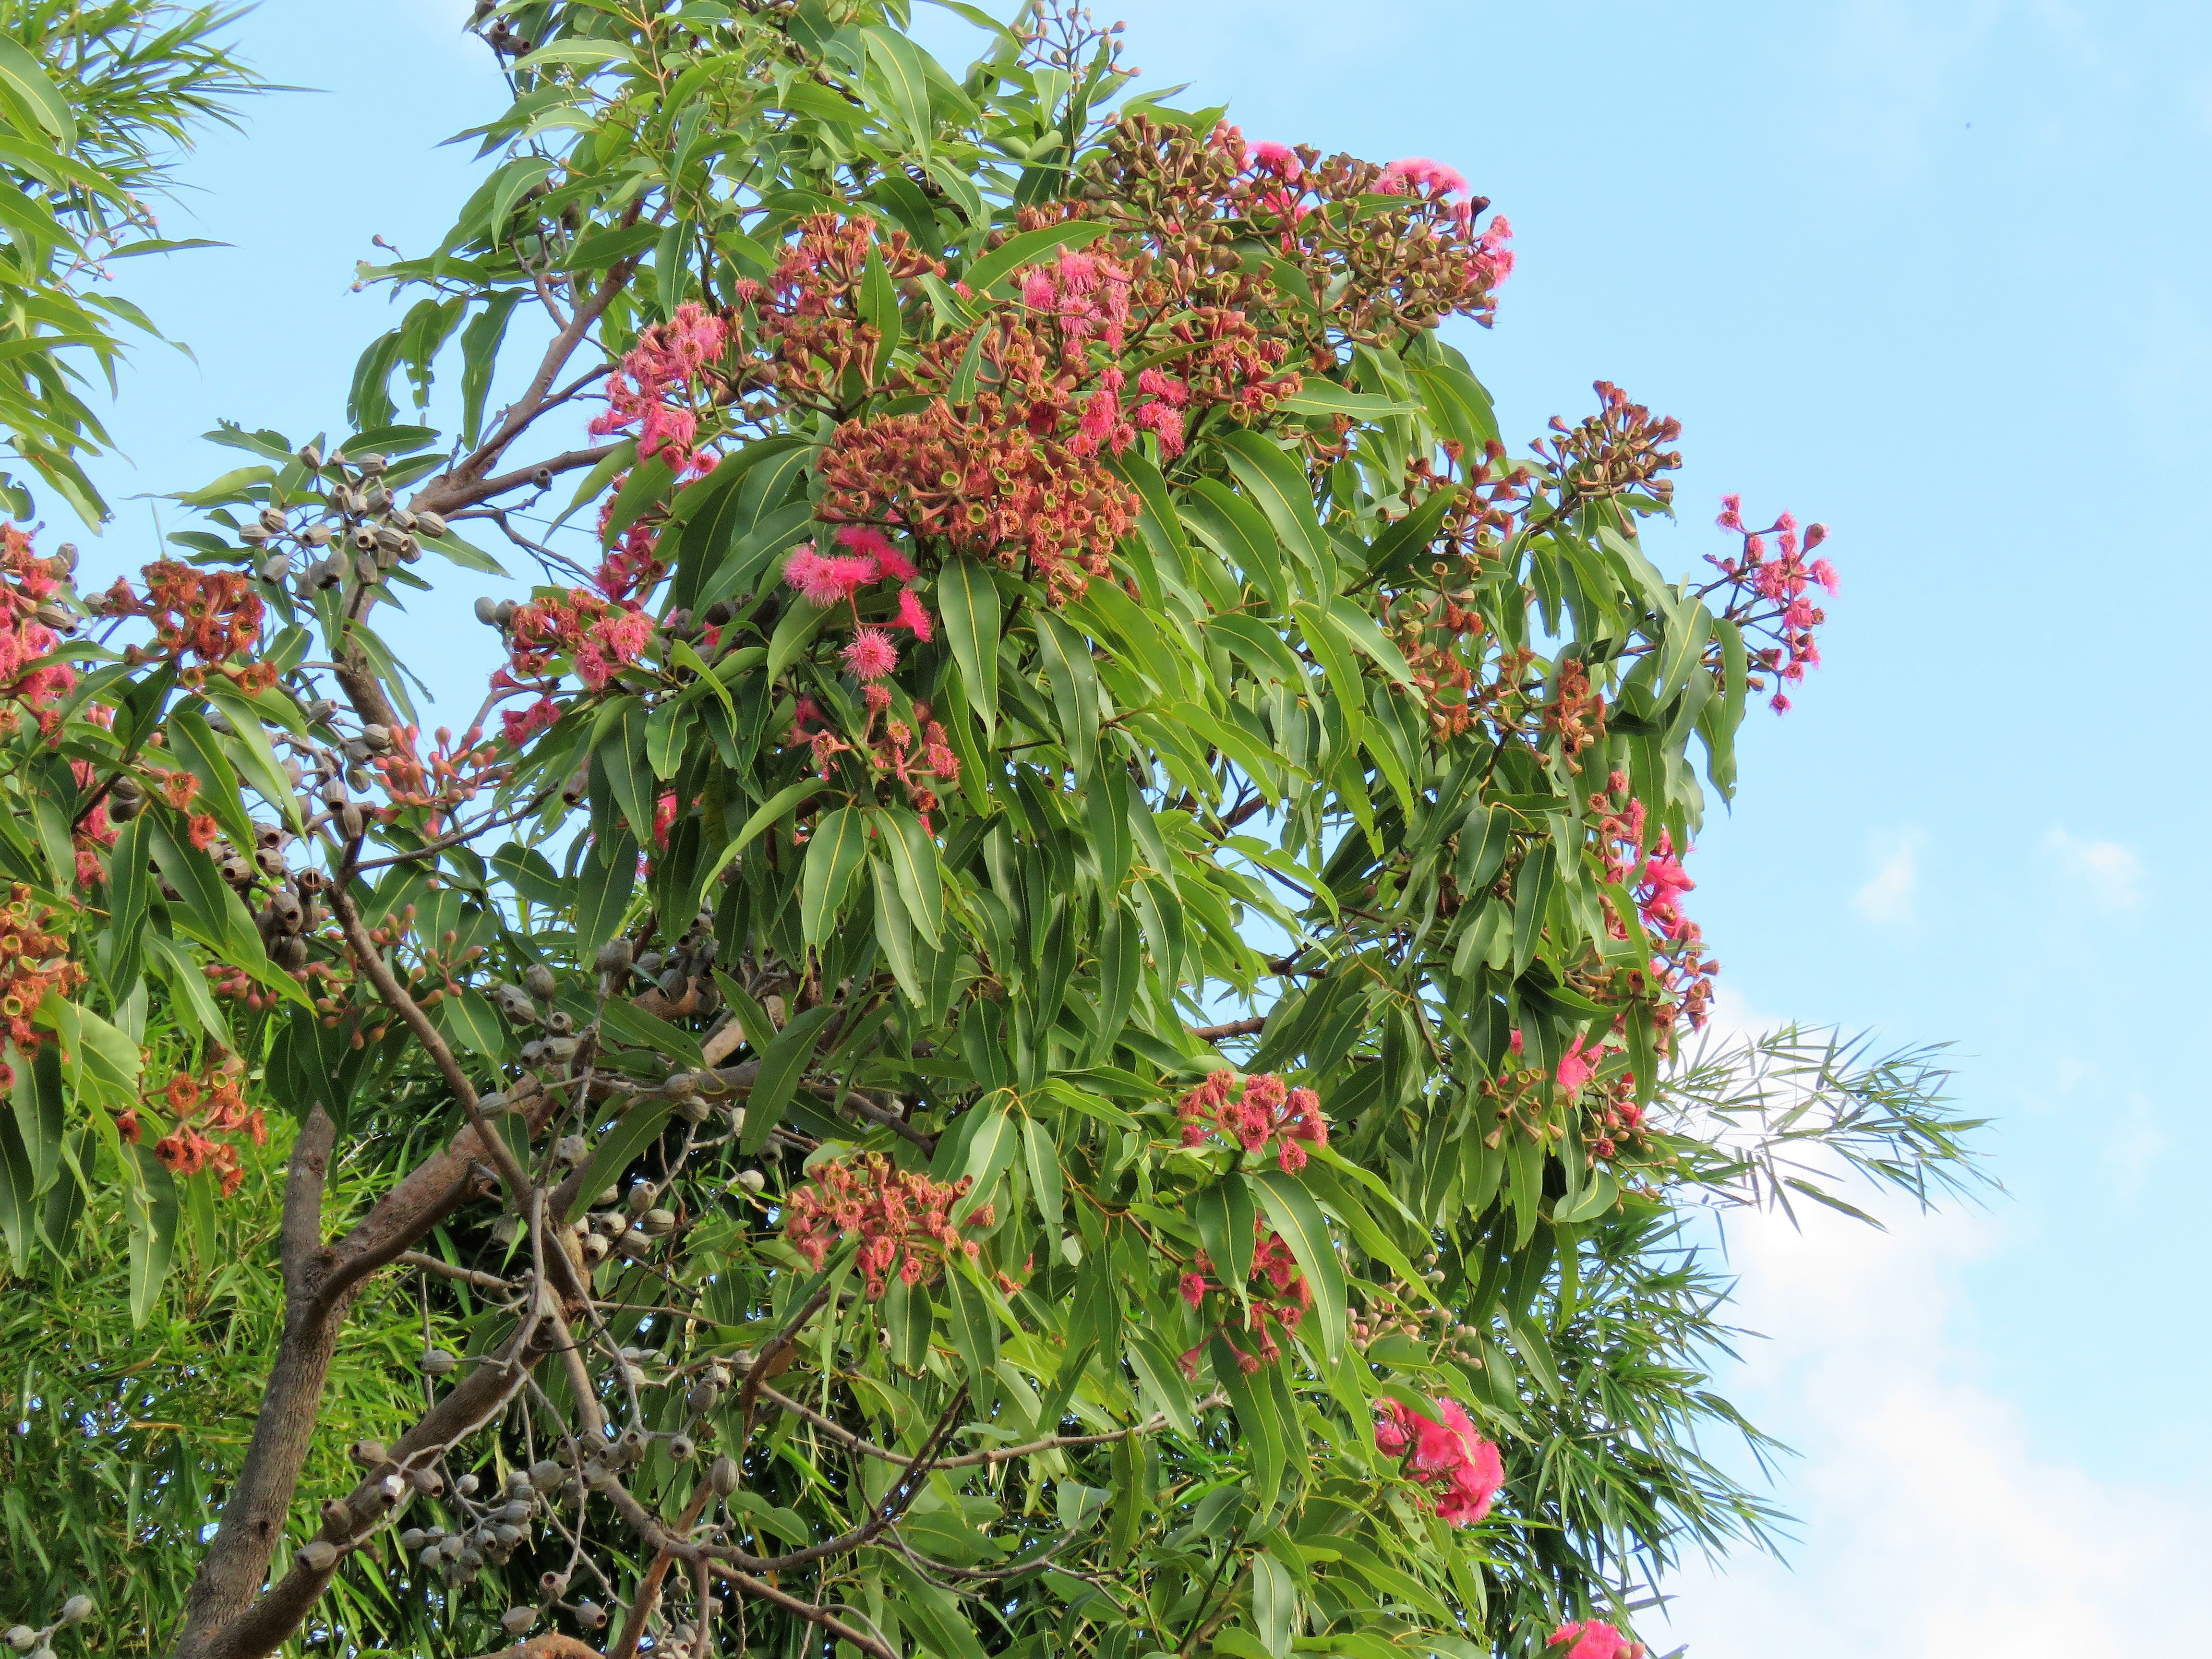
{"x": 1824, "y": 572}
{"x": 871, "y": 655}
{"x": 1038, "y": 290}
{"x": 1450, "y": 1456}
{"x": 1422, "y": 173}
{"x": 1577, "y": 1065}
{"x": 1193, "y": 1288}
{"x": 520, "y": 725}
{"x": 868, "y": 542}
{"x": 912, "y": 616}
{"x": 1731, "y": 516}
{"x": 826, "y": 579}
{"x": 1595, "y": 1640}
{"x": 1277, "y": 159}
{"x": 1166, "y": 424}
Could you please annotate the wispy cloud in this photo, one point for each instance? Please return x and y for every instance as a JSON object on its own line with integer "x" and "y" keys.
{"x": 1888, "y": 894}
{"x": 1919, "y": 1478}
{"x": 2107, "y": 870}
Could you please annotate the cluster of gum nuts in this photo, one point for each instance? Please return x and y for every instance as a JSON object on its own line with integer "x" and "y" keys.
{"x": 39, "y": 1643}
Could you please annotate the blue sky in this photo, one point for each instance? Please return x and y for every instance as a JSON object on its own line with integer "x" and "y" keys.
{"x": 1935, "y": 274}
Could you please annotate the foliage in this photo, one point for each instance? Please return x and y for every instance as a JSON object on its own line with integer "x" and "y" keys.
{"x": 1044, "y": 1010}
{"x": 95, "y": 102}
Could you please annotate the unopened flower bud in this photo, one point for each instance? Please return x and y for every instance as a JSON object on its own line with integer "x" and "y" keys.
{"x": 752, "y": 1180}
{"x": 76, "y": 1609}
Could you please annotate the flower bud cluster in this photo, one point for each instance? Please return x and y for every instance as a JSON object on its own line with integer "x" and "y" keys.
{"x": 1276, "y": 1293}
{"x": 904, "y": 1219}
{"x": 1770, "y": 594}
{"x": 1252, "y": 1111}
{"x": 34, "y": 964}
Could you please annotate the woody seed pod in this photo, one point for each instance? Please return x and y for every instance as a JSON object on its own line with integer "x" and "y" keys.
{"x": 320, "y": 1556}
{"x": 537, "y": 980}
{"x": 724, "y": 1475}
{"x": 276, "y": 568}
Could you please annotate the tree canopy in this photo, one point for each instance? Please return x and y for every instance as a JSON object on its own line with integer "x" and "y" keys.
{"x": 1050, "y": 1005}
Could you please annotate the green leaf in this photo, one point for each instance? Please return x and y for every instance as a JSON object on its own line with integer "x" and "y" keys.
{"x": 480, "y": 343}
{"x": 1292, "y": 1213}
{"x": 21, "y": 74}
{"x": 786, "y": 799}
{"x": 1041, "y": 1156}
{"x": 578, "y": 53}
{"x": 906, "y": 78}
{"x": 794, "y": 632}
{"x": 1365, "y": 635}
{"x": 833, "y": 853}
{"x": 780, "y": 1068}
{"x": 1074, "y": 680}
{"x": 1283, "y": 492}
{"x": 150, "y": 1205}
{"x": 621, "y": 1147}
{"x": 1401, "y": 543}
{"x": 515, "y": 180}
{"x": 913, "y": 857}
{"x": 968, "y": 599}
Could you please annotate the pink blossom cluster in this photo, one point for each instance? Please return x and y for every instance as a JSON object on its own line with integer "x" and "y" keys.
{"x": 902, "y": 1219}
{"x": 1492, "y": 261}
{"x": 1263, "y": 1108}
{"x": 871, "y": 558}
{"x": 1088, "y": 294}
{"x": 1277, "y": 1294}
{"x": 1780, "y": 581}
{"x": 651, "y": 388}
{"x": 599, "y": 638}
{"x": 1594, "y": 1639}
{"x": 27, "y": 581}
{"x": 1446, "y": 1455}
{"x": 1656, "y": 882}
{"x": 920, "y": 762}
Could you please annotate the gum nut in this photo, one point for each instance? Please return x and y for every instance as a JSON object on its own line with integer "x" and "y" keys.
{"x": 571, "y": 1149}
{"x": 431, "y": 1556}
{"x": 752, "y": 1180}
{"x": 553, "y": 1583}
{"x": 702, "y": 1398}
{"x": 657, "y": 1223}
{"x": 22, "y": 1638}
{"x": 411, "y": 1539}
{"x": 641, "y": 1197}
{"x": 518, "y": 1511}
{"x": 76, "y": 1609}
{"x": 682, "y": 1447}
{"x": 590, "y": 1614}
{"x": 368, "y": 1453}
{"x": 724, "y": 1475}
{"x": 518, "y": 1483}
{"x": 466, "y": 1485}
{"x": 608, "y": 1198}
{"x": 613, "y": 957}
{"x": 691, "y": 1110}
{"x": 537, "y": 980}
{"x": 436, "y": 1362}
{"x": 320, "y": 1556}
{"x": 545, "y": 1474}
{"x": 737, "y": 1118}
{"x": 487, "y": 612}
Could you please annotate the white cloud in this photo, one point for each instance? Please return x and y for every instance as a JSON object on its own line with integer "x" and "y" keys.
{"x": 1886, "y": 896}
{"x": 2109, "y": 872}
{"x": 1933, "y": 1524}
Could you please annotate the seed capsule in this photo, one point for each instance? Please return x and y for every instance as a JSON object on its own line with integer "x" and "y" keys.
{"x": 682, "y": 1447}
{"x": 22, "y": 1638}
{"x": 276, "y": 568}
{"x": 658, "y": 1223}
{"x": 725, "y": 1474}
{"x": 436, "y": 1362}
{"x": 537, "y": 980}
{"x": 752, "y": 1180}
{"x": 590, "y": 1614}
{"x": 320, "y": 1556}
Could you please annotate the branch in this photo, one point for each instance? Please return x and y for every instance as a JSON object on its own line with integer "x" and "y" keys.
{"x": 431, "y": 1264}
{"x": 806, "y": 1610}
{"x": 1235, "y": 1028}
{"x": 852, "y": 1442}
{"x": 252, "y": 1518}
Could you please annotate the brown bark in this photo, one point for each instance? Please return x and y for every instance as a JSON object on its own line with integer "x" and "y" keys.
{"x": 253, "y": 1516}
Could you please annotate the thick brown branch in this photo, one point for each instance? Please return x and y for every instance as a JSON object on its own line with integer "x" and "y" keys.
{"x": 1235, "y": 1028}
{"x": 253, "y": 1516}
